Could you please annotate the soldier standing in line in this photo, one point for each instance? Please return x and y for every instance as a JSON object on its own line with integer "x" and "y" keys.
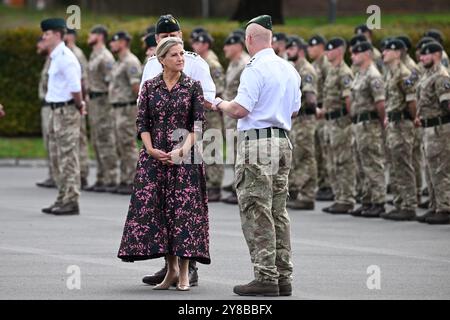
{"x": 336, "y": 106}
{"x": 279, "y": 41}
{"x": 45, "y": 113}
{"x": 149, "y": 46}
{"x": 123, "y": 90}
{"x": 400, "y": 94}
{"x": 316, "y": 51}
{"x": 70, "y": 40}
{"x": 433, "y": 108}
{"x": 64, "y": 96}
{"x": 214, "y": 120}
{"x": 101, "y": 119}
{"x": 303, "y": 174}
{"x": 437, "y": 36}
{"x": 367, "y": 32}
{"x": 234, "y": 51}
{"x": 367, "y": 110}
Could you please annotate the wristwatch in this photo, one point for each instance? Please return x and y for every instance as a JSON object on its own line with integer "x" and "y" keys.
{"x": 217, "y": 101}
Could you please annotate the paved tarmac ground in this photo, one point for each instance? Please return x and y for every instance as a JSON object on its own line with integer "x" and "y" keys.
{"x": 331, "y": 254}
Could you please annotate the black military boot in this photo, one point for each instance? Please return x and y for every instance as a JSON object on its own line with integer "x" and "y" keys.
{"x": 156, "y": 278}
{"x": 67, "y": 209}
{"x": 358, "y": 212}
{"x": 374, "y": 212}
{"x": 339, "y": 208}
{"x": 441, "y": 217}
{"x": 111, "y": 187}
{"x": 93, "y": 187}
{"x": 401, "y": 215}
{"x": 49, "y": 183}
{"x": 258, "y": 288}
{"x": 424, "y": 205}
{"x": 126, "y": 189}
{"x": 48, "y": 210}
{"x": 285, "y": 288}
{"x": 386, "y": 214}
{"x": 84, "y": 184}
{"x": 425, "y": 216}
{"x": 232, "y": 199}
{"x": 425, "y": 192}
{"x": 214, "y": 195}
{"x": 300, "y": 205}
{"x": 228, "y": 188}
{"x": 325, "y": 194}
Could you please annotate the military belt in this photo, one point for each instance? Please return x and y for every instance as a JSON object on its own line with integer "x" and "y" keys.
{"x": 265, "y": 133}
{"x": 44, "y": 104}
{"x": 433, "y": 122}
{"x": 55, "y": 105}
{"x": 93, "y": 95}
{"x": 398, "y": 116}
{"x": 336, "y": 114}
{"x": 306, "y": 112}
{"x": 366, "y": 116}
{"x": 124, "y": 104}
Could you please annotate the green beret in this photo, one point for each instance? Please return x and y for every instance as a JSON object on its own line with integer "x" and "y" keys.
{"x": 406, "y": 40}
{"x": 435, "y": 34}
{"x": 362, "y": 47}
{"x": 295, "y": 41}
{"x": 363, "y": 28}
{"x": 121, "y": 35}
{"x": 100, "y": 29}
{"x": 264, "y": 21}
{"x": 202, "y": 37}
{"x": 422, "y": 42}
{"x": 279, "y": 36}
{"x": 53, "y": 24}
{"x": 357, "y": 39}
{"x": 335, "y": 43}
{"x": 233, "y": 39}
{"x": 395, "y": 44}
{"x": 431, "y": 47}
{"x": 315, "y": 40}
{"x": 150, "y": 40}
{"x": 167, "y": 24}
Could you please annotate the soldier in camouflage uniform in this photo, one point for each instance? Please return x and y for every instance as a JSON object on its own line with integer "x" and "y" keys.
{"x": 279, "y": 41}
{"x": 336, "y": 106}
{"x": 437, "y": 36}
{"x": 70, "y": 40}
{"x": 367, "y": 110}
{"x": 316, "y": 51}
{"x": 234, "y": 51}
{"x": 367, "y": 32}
{"x": 400, "y": 93}
{"x": 101, "y": 119}
{"x": 45, "y": 114}
{"x": 201, "y": 44}
{"x": 303, "y": 174}
{"x": 122, "y": 93}
{"x": 264, "y": 159}
{"x": 433, "y": 108}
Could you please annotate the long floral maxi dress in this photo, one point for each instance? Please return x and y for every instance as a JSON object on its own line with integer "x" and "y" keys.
{"x": 168, "y": 212}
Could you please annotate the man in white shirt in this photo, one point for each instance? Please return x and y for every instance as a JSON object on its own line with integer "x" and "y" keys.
{"x": 64, "y": 97}
{"x": 268, "y": 96}
{"x": 196, "y": 68}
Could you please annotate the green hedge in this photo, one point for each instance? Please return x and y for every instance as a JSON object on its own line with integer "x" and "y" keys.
{"x": 20, "y": 66}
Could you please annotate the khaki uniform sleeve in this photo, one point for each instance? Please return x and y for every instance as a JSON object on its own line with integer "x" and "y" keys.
{"x": 377, "y": 88}
{"x": 218, "y": 77}
{"x": 134, "y": 71}
{"x": 309, "y": 83}
{"x": 346, "y": 83}
{"x": 408, "y": 85}
{"x": 443, "y": 88}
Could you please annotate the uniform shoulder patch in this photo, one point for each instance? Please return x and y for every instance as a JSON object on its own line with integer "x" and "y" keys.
{"x": 308, "y": 78}
{"x": 445, "y": 62}
{"x": 192, "y": 54}
{"x": 447, "y": 84}
{"x": 347, "y": 79}
{"x": 133, "y": 70}
{"x": 377, "y": 84}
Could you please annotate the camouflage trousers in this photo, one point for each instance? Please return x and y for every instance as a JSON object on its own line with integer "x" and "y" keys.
{"x": 303, "y": 175}
{"x": 45, "y": 120}
{"x": 214, "y": 171}
{"x": 400, "y": 141}
{"x": 359, "y": 171}
{"x": 369, "y": 146}
{"x": 101, "y": 123}
{"x": 84, "y": 149}
{"x": 343, "y": 160}
{"x": 230, "y": 124}
{"x": 262, "y": 188}
{"x": 437, "y": 153}
{"x": 322, "y": 155}
{"x": 418, "y": 162}
{"x": 125, "y": 137}
{"x": 64, "y": 146}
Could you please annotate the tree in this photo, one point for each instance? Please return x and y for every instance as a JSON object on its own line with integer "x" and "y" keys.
{"x": 248, "y": 9}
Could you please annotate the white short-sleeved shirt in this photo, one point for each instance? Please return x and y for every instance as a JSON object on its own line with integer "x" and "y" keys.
{"x": 270, "y": 91}
{"x": 64, "y": 75}
{"x": 194, "y": 66}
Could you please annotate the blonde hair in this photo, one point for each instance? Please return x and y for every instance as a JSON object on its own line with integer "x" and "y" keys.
{"x": 164, "y": 46}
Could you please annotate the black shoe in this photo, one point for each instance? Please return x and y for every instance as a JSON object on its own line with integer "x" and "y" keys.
{"x": 67, "y": 209}
{"x": 401, "y": 215}
{"x": 232, "y": 199}
{"x": 285, "y": 289}
{"x": 390, "y": 202}
{"x": 84, "y": 184}
{"x": 339, "y": 208}
{"x": 358, "y": 212}
{"x": 126, "y": 189}
{"x": 214, "y": 195}
{"x": 425, "y": 216}
{"x": 424, "y": 205}
{"x": 439, "y": 218}
{"x": 257, "y": 288}
{"x": 155, "y": 278}
{"x": 228, "y": 188}
{"x": 193, "y": 274}
{"x": 112, "y": 188}
{"x": 300, "y": 205}
{"x": 325, "y": 194}
{"x": 48, "y": 210}
{"x": 386, "y": 214}
{"x": 425, "y": 192}
{"x": 49, "y": 183}
{"x": 374, "y": 211}
{"x": 292, "y": 195}
{"x": 390, "y": 188}
{"x": 93, "y": 187}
